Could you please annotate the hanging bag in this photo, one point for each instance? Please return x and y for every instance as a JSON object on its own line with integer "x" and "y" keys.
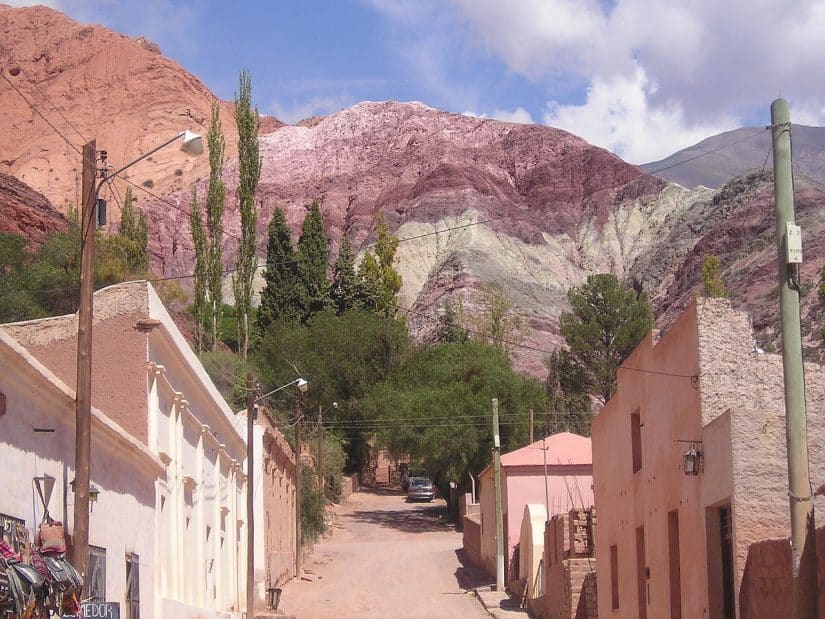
{"x": 50, "y": 538}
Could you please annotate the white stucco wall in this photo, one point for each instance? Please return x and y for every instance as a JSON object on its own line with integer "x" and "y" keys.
{"x": 123, "y": 470}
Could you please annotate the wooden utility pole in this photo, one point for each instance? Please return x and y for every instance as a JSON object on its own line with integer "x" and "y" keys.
{"x": 789, "y": 244}
{"x": 321, "y": 480}
{"x": 83, "y": 391}
{"x": 250, "y": 495}
{"x": 497, "y": 485}
{"x": 298, "y": 487}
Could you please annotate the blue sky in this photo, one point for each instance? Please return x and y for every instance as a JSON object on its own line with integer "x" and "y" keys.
{"x": 642, "y": 78}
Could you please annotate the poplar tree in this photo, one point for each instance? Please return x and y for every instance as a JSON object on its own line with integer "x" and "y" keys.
{"x": 215, "y": 205}
{"x": 136, "y": 231}
{"x": 200, "y": 280}
{"x": 278, "y": 298}
{"x": 379, "y": 282}
{"x": 249, "y": 173}
{"x": 344, "y": 287}
{"x": 313, "y": 257}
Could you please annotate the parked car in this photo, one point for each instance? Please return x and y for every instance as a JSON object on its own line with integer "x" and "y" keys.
{"x": 421, "y": 489}
{"x": 409, "y": 475}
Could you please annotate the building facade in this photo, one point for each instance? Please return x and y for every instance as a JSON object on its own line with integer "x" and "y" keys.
{"x": 150, "y": 383}
{"x": 690, "y": 468}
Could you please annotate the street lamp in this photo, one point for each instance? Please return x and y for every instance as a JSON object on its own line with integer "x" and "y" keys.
{"x": 251, "y": 401}
{"x": 192, "y": 144}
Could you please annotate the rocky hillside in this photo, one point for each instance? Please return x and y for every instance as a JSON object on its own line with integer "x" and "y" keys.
{"x": 92, "y": 83}
{"x": 735, "y": 152}
{"x": 474, "y": 201}
{"x": 26, "y": 212}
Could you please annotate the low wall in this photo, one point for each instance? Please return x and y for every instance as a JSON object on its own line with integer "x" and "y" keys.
{"x": 349, "y": 484}
{"x": 767, "y": 587}
{"x": 472, "y": 538}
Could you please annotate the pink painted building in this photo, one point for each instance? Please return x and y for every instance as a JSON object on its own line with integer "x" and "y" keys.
{"x": 673, "y": 544}
{"x": 568, "y": 483}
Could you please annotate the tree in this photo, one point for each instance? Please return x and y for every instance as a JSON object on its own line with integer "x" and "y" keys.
{"x": 136, "y": 230}
{"x": 312, "y": 257}
{"x": 278, "y": 297}
{"x": 449, "y": 327}
{"x": 437, "y": 408}
{"x": 714, "y": 286}
{"x": 249, "y": 172}
{"x": 499, "y": 325}
{"x": 379, "y": 281}
{"x": 215, "y": 206}
{"x": 344, "y": 288}
{"x": 568, "y": 401}
{"x": 200, "y": 312}
{"x": 606, "y": 323}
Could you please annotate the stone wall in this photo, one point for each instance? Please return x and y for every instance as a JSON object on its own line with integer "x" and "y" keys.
{"x": 349, "y": 484}
{"x": 767, "y": 588}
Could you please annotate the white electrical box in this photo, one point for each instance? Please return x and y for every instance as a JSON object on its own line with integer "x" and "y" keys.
{"x": 793, "y": 243}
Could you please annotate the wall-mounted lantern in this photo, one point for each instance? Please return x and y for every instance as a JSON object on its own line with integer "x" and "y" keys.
{"x": 692, "y": 460}
{"x": 94, "y": 493}
{"x": 273, "y": 598}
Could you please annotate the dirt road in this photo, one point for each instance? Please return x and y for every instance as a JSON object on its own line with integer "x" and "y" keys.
{"x": 386, "y": 559}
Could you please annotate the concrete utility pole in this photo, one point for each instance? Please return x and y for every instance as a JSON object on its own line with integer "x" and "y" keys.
{"x": 803, "y": 553}
{"x": 250, "y": 496}
{"x": 298, "y": 487}
{"x": 497, "y": 485}
{"x": 83, "y": 398}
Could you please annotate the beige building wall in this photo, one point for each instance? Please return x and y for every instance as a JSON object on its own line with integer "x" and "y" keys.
{"x": 666, "y": 528}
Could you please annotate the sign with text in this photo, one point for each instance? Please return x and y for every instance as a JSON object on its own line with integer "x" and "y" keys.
{"x": 97, "y": 610}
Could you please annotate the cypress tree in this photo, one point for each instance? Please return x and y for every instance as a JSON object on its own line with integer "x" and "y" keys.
{"x": 344, "y": 287}
{"x": 281, "y": 275}
{"x": 313, "y": 256}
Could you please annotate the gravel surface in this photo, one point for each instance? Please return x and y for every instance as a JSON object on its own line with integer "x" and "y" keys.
{"x": 385, "y": 559}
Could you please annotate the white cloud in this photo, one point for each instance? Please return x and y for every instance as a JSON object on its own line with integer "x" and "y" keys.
{"x": 618, "y": 116}
{"x": 518, "y": 115}
{"x": 704, "y": 63}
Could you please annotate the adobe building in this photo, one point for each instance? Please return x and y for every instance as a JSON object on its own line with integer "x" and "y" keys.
{"x": 568, "y": 484}
{"x": 690, "y": 472}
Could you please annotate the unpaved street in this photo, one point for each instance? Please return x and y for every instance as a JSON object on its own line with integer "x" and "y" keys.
{"x": 386, "y": 559}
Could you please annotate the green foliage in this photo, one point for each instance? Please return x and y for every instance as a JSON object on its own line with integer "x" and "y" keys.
{"x": 136, "y": 231}
{"x": 212, "y": 251}
{"x": 312, "y": 255}
{"x": 229, "y": 334}
{"x": 437, "y": 407}
{"x": 200, "y": 311}
{"x": 278, "y": 297}
{"x": 344, "y": 287}
{"x": 569, "y": 403}
{"x": 607, "y": 321}
{"x": 227, "y": 371}
{"x": 249, "y": 172}
{"x": 379, "y": 282}
{"x": 342, "y": 357}
{"x": 334, "y": 462}
{"x": 313, "y": 522}
{"x": 449, "y": 327}
{"x": 714, "y": 287}
{"x": 499, "y": 325}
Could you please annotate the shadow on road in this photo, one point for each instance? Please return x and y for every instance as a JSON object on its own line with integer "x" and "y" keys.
{"x": 419, "y": 519}
{"x": 468, "y": 575}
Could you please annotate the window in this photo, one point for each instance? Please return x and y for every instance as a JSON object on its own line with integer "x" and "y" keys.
{"x": 97, "y": 574}
{"x": 636, "y": 440}
{"x": 132, "y": 586}
{"x": 641, "y": 572}
{"x": 675, "y": 568}
{"x": 614, "y": 577}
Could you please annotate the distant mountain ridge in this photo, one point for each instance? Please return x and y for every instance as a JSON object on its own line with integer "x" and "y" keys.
{"x": 717, "y": 159}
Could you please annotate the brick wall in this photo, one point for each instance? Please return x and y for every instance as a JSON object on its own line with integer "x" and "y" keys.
{"x": 569, "y": 568}
{"x": 767, "y": 588}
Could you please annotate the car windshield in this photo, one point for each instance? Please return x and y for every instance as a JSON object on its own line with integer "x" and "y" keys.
{"x": 420, "y": 482}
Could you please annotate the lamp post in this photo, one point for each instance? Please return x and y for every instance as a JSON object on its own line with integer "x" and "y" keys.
{"x": 251, "y": 401}
{"x": 192, "y": 144}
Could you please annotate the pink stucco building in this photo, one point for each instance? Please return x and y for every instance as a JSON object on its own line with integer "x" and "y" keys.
{"x": 672, "y": 544}
{"x": 569, "y": 484}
